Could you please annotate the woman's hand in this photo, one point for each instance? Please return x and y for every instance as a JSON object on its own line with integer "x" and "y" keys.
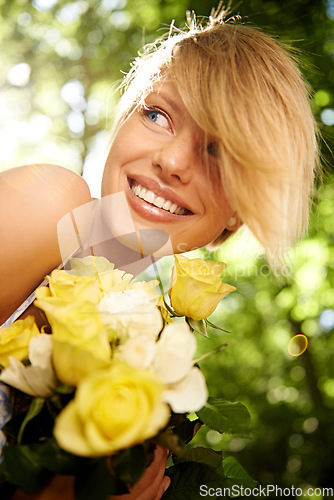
{"x": 153, "y": 482}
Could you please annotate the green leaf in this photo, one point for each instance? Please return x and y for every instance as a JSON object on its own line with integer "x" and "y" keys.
{"x": 201, "y": 455}
{"x": 187, "y": 429}
{"x": 31, "y": 466}
{"x": 130, "y": 464}
{"x": 198, "y": 326}
{"x": 225, "y": 416}
{"x": 58, "y": 460}
{"x": 207, "y": 354}
{"x": 96, "y": 482}
{"x": 215, "y": 326}
{"x": 236, "y": 474}
{"x": 187, "y": 478}
{"x": 63, "y": 389}
{"x": 24, "y": 468}
{"x": 35, "y": 408}
{"x": 170, "y": 440}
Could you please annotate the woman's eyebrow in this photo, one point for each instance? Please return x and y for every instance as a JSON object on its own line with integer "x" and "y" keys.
{"x": 170, "y": 101}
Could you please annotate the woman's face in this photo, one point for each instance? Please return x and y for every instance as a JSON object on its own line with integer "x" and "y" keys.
{"x": 158, "y": 159}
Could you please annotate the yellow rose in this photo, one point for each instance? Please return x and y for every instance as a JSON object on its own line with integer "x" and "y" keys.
{"x": 80, "y": 342}
{"x": 109, "y": 279}
{"x": 72, "y": 363}
{"x": 196, "y": 287}
{"x": 150, "y": 287}
{"x": 15, "y": 338}
{"x": 112, "y": 409}
{"x": 68, "y": 287}
{"x": 90, "y": 265}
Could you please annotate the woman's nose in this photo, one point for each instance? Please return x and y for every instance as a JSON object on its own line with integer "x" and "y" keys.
{"x": 175, "y": 158}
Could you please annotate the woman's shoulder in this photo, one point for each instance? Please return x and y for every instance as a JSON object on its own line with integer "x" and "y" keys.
{"x": 45, "y": 175}
{"x": 33, "y": 198}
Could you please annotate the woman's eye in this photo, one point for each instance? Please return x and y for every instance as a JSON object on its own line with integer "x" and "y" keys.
{"x": 157, "y": 117}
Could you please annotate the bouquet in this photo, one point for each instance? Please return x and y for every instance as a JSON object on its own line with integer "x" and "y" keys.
{"x": 112, "y": 374}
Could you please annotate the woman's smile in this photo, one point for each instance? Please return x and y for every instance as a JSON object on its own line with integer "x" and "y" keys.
{"x": 159, "y": 159}
{"x": 150, "y": 199}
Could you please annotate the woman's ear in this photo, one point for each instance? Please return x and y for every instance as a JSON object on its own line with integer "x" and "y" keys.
{"x": 234, "y": 222}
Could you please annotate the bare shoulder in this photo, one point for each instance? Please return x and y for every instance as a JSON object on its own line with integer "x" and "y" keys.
{"x": 33, "y": 198}
{"x": 44, "y": 179}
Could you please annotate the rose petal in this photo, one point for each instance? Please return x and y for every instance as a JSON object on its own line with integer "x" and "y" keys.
{"x": 190, "y": 394}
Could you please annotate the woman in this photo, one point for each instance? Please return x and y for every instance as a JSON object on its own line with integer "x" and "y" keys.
{"x": 214, "y": 130}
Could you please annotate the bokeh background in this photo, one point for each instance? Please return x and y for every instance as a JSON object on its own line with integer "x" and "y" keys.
{"x": 60, "y": 63}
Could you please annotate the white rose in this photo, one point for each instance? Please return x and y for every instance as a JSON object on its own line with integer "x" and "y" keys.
{"x": 175, "y": 350}
{"x": 138, "y": 351}
{"x": 189, "y": 394}
{"x": 37, "y": 379}
{"x": 186, "y": 389}
{"x": 132, "y": 313}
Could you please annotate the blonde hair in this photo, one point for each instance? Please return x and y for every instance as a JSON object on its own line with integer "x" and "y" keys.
{"x": 244, "y": 88}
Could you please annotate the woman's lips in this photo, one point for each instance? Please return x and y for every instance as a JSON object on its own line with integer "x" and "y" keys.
{"x": 162, "y": 195}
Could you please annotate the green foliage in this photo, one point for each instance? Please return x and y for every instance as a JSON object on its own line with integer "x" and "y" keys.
{"x": 186, "y": 429}
{"x": 236, "y": 474}
{"x": 23, "y": 467}
{"x": 187, "y": 477}
{"x": 35, "y": 408}
{"x": 224, "y": 416}
{"x": 201, "y": 455}
{"x": 198, "y": 326}
{"x": 199, "y": 465}
{"x": 201, "y": 470}
{"x": 32, "y": 466}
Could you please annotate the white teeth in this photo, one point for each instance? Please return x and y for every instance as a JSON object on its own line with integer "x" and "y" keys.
{"x": 149, "y": 196}
{"x": 142, "y": 192}
{"x": 158, "y": 201}
{"x": 136, "y": 190}
{"x": 167, "y": 205}
{"x": 173, "y": 208}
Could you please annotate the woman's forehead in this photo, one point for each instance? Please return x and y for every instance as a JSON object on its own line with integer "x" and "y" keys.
{"x": 167, "y": 90}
